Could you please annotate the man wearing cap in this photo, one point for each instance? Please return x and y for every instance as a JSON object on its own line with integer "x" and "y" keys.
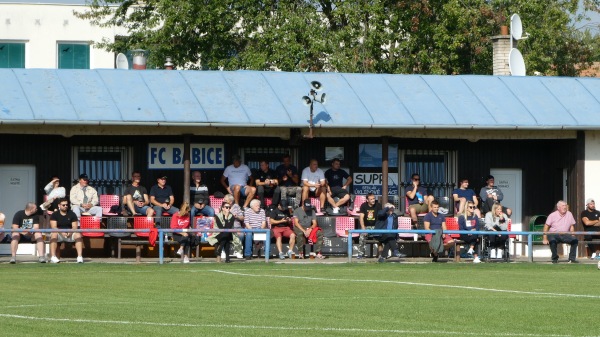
{"x": 161, "y": 197}
{"x": 305, "y": 221}
{"x": 590, "y": 219}
{"x": 237, "y": 175}
{"x": 135, "y": 197}
{"x": 558, "y": 221}
{"x": 280, "y": 227}
{"x": 490, "y": 194}
{"x": 199, "y": 198}
{"x": 84, "y": 198}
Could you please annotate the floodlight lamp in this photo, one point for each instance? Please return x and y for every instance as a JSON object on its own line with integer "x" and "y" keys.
{"x": 306, "y": 100}
{"x": 316, "y": 85}
{"x": 322, "y": 100}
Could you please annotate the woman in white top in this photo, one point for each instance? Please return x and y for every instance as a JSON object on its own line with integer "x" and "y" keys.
{"x": 53, "y": 192}
{"x": 496, "y": 220}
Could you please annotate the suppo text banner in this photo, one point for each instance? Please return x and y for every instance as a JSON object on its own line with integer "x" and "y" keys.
{"x": 365, "y": 183}
{"x": 170, "y": 156}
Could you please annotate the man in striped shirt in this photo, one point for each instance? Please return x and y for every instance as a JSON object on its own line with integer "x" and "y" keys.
{"x": 254, "y": 218}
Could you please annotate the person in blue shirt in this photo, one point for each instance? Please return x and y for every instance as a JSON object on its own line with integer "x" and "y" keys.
{"x": 462, "y": 194}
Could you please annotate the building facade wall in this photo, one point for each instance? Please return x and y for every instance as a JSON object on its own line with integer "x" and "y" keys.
{"x": 41, "y": 27}
{"x": 541, "y": 166}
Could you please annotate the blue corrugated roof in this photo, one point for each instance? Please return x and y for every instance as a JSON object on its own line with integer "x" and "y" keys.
{"x": 254, "y": 98}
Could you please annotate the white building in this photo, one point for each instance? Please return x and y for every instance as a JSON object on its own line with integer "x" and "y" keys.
{"x": 36, "y": 34}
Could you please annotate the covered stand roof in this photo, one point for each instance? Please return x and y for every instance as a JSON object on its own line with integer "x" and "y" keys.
{"x": 273, "y": 99}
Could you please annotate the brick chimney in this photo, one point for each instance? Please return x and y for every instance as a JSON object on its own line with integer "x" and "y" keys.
{"x": 501, "y": 46}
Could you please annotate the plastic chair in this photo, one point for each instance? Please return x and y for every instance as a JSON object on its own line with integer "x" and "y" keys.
{"x": 107, "y": 201}
{"x": 358, "y": 201}
{"x": 118, "y": 222}
{"x": 452, "y": 225}
{"x": 90, "y": 222}
{"x": 316, "y": 203}
{"x": 343, "y": 224}
{"x": 406, "y": 223}
{"x": 143, "y": 222}
{"x": 215, "y": 203}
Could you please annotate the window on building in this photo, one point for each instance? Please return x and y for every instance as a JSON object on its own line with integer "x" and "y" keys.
{"x": 73, "y": 56}
{"x": 253, "y": 156}
{"x": 12, "y": 55}
{"x": 437, "y": 170}
{"x": 108, "y": 167}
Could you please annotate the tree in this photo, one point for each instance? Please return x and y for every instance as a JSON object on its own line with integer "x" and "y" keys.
{"x": 385, "y": 36}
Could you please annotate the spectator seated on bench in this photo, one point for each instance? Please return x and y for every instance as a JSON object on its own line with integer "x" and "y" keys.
{"x": 135, "y": 198}
{"x": 496, "y": 220}
{"x": 388, "y": 219}
{"x": 590, "y": 219}
{"x": 161, "y": 197}
{"x": 314, "y": 184}
{"x": 461, "y": 195}
{"x": 468, "y": 221}
{"x": 267, "y": 184}
{"x": 338, "y": 181}
{"x": 281, "y": 226}
{"x": 561, "y": 220}
{"x": 367, "y": 217}
{"x": 254, "y": 218}
{"x": 187, "y": 241}
{"x": 417, "y": 199}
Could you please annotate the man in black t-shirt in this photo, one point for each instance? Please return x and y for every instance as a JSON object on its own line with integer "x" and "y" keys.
{"x": 367, "y": 217}
{"x": 336, "y": 188}
{"x": 267, "y": 184}
{"x": 288, "y": 178}
{"x": 161, "y": 197}
{"x": 64, "y": 218}
{"x": 135, "y": 197}
{"x": 27, "y": 219}
{"x": 590, "y": 219}
{"x": 281, "y": 222}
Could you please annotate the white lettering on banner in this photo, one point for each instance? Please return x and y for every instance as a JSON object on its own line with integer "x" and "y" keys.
{"x": 365, "y": 183}
{"x": 170, "y": 156}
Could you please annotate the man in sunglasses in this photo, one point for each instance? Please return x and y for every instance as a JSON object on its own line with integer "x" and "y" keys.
{"x": 64, "y": 218}
{"x": 418, "y": 199}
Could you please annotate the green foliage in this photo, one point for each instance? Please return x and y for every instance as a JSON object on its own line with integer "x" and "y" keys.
{"x": 386, "y": 36}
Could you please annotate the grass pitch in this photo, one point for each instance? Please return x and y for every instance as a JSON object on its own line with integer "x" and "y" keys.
{"x": 257, "y": 299}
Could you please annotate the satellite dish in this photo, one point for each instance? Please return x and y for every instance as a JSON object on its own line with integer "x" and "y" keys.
{"x": 516, "y": 64}
{"x": 122, "y": 62}
{"x": 516, "y": 27}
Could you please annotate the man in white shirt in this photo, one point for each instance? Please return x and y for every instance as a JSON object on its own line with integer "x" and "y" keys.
{"x": 84, "y": 198}
{"x": 238, "y": 176}
{"x": 314, "y": 183}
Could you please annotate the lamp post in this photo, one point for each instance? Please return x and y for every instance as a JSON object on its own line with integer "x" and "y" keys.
{"x": 309, "y": 100}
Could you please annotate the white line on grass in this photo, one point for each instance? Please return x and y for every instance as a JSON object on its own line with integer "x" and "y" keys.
{"x": 266, "y": 327}
{"x": 414, "y": 284}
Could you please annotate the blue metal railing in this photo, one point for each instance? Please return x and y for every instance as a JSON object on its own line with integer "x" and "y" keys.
{"x": 425, "y": 231}
{"x": 267, "y": 240}
{"x": 160, "y": 239}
